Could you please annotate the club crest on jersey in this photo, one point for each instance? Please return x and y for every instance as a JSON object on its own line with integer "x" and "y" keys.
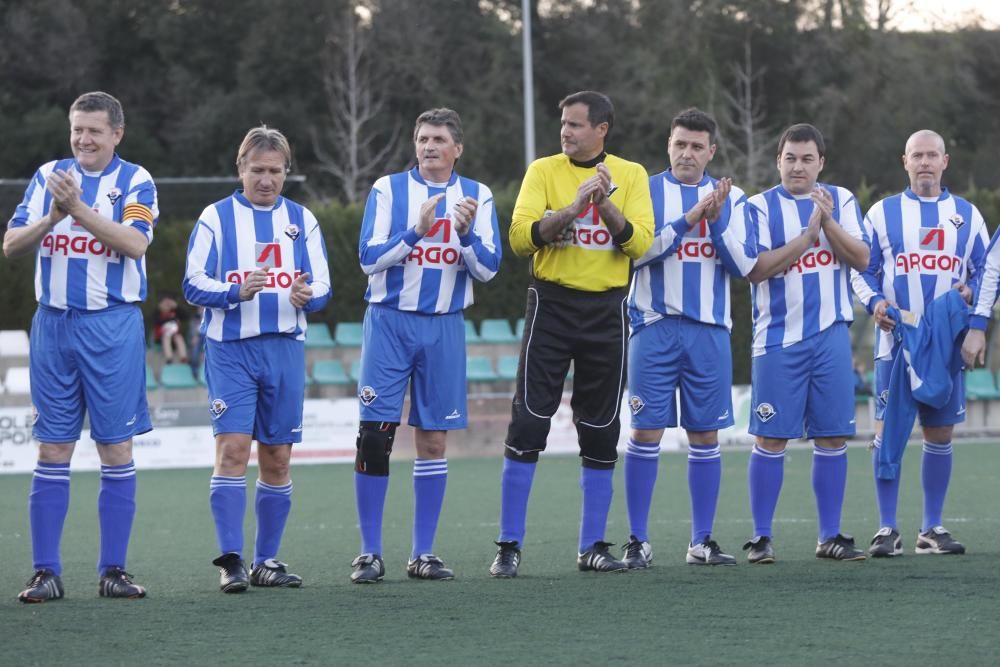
{"x": 636, "y": 403}
{"x": 114, "y": 195}
{"x": 217, "y": 406}
{"x": 292, "y": 232}
{"x": 367, "y": 395}
{"x": 957, "y": 220}
{"x": 765, "y": 412}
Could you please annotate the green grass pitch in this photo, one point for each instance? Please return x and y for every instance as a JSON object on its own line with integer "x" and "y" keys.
{"x": 800, "y": 611}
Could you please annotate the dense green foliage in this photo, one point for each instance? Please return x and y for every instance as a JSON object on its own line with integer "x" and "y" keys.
{"x": 345, "y": 85}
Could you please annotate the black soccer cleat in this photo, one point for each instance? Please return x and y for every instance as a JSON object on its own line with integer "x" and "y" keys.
{"x": 233, "y": 575}
{"x": 117, "y": 583}
{"x": 760, "y": 550}
{"x": 274, "y": 574}
{"x": 839, "y": 547}
{"x": 368, "y": 569}
{"x": 598, "y": 559}
{"x": 638, "y": 555}
{"x": 708, "y": 552}
{"x": 938, "y": 540}
{"x": 428, "y": 566}
{"x": 886, "y": 544}
{"x": 507, "y": 561}
{"x": 43, "y": 586}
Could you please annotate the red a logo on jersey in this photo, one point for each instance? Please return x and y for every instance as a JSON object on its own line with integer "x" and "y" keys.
{"x": 932, "y": 239}
{"x": 589, "y": 212}
{"x": 440, "y": 232}
{"x": 268, "y": 254}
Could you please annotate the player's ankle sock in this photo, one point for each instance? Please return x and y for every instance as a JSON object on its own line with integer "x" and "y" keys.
{"x": 704, "y": 474}
{"x": 515, "y": 488}
{"x": 116, "y": 511}
{"x": 829, "y": 480}
{"x": 935, "y": 476}
{"x": 47, "y": 507}
{"x": 272, "y": 505}
{"x": 598, "y": 488}
{"x": 430, "y": 477}
{"x": 369, "y": 494}
{"x": 642, "y": 461}
{"x": 766, "y": 472}
{"x": 228, "y": 498}
{"x": 886, "y": 491}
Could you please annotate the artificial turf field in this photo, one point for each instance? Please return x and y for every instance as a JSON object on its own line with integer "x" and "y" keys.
{"x": 911, "y": 610}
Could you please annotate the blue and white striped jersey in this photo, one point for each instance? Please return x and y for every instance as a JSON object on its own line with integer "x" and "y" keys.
{"x": 72, "y": 268}
{"x": 989, "y": 287}
{"x": 921, "y": 247}
{"x": 686, "y": 271}
{"x": 428, "y": 274}
{"x": 232, "y": 239}
{"x": 814, "y": 292}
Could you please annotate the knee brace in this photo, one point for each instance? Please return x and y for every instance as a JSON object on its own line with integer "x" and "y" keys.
{"x": 598, "y": 446}
{"x": 374, "y": 446}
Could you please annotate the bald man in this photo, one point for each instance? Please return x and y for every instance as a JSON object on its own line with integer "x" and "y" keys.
{"x": 925, "y": 241}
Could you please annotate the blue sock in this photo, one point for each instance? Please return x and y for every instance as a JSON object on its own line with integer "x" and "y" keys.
{"x": 704, "y": 477}
{"x": 228, "y": 498}
{"x": 515, "y": 488}
{"x": 829, "y": 480}
{"x": 116, "y": 511}
{"x": 369, "y": 494}
{"x": 642, "y": 461}
{"x": 272, "y": 505}
{"x": 766, "y": 473}
{"x": 935, "y": 475}
{"x": 47, "y": 507}
{"x": 598, "y": 488}
{"x": 886, "y": 491}
{"x": 430, "y": 476}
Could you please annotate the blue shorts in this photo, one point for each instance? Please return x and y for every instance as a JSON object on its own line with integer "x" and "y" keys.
{"x": 426, "y": 350}
{"x": 257, "y": 386}
{"x": 93, "y": 362}
{"x": 678, "y": 352}
{"x": 808, "y": 384}
{"x": 953, "y": 411}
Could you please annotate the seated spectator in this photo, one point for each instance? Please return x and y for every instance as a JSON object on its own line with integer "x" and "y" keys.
{"x": 167, "y": 331}
{"x": 861, "y": 387}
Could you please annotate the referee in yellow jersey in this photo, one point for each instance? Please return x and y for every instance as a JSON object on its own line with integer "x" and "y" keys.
{"x": 582, "y": 216}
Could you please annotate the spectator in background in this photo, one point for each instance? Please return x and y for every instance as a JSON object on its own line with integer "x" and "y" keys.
{"x": 167, "y": 331}
{"x": 861, "y": 386}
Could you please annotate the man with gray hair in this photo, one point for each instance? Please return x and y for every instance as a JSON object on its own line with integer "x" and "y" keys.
{"x": 89, "y": 220}
{"x": 257, "y": 263}
{"x": 427, "y": 234}
{"x": 925, "y": 242}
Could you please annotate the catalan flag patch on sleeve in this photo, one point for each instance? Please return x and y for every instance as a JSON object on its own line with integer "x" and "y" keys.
{"x": 137, "y": 212}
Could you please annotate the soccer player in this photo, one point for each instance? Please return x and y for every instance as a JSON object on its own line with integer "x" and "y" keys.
{"x": 257, "y": 262}
{"x": 808, "y": 237}
{"x": 582, "y": 216}
{"x": 925, "y": 241}
{"x": 89, "y": 220}
{"x": 680, "y": 323}
{"x": 427, "y": 234}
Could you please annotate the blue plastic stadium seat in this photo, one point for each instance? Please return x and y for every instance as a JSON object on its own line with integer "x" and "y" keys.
{"x": 479, "y": 369}
{"x": 497, "y": 331}
{"x": 349, "y": 334}
{"x": 318, "y": 336}
{"x": 330, "y": 372}
{"x": 470, "y": 333}
{"x": 980, "y": 385}
{"x": 201, "y": 375}
{"x": 519, "y": 328}
{"x": 151, "y": 382}
{"x": 177, "y": 376}
{"x": 507, "y": 367}
{"x": 355, "y": 373}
